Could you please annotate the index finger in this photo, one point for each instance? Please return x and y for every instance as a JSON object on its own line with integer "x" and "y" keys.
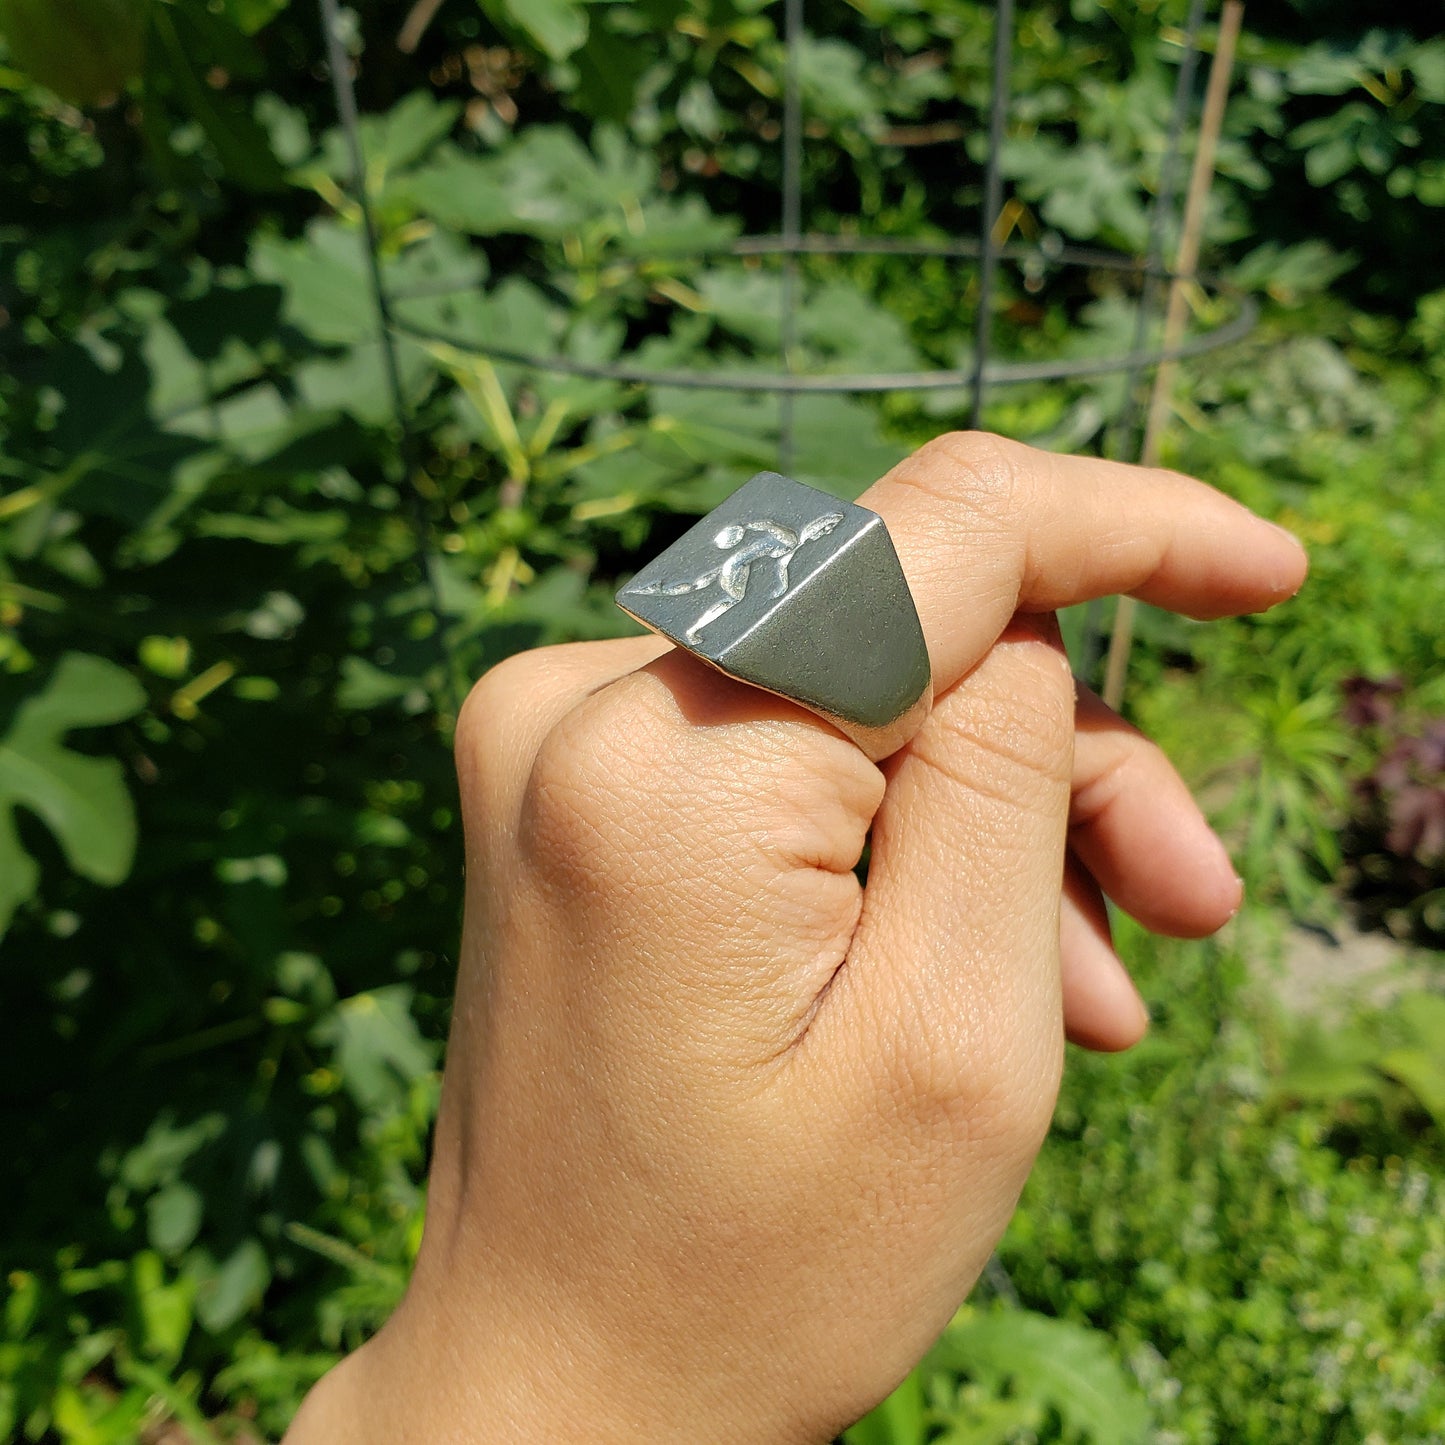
{"x": 986, "y": 527}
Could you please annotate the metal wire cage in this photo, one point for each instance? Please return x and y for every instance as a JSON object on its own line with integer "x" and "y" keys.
{"x": 792, "y": 242}
{"x": 1156, "y": 343}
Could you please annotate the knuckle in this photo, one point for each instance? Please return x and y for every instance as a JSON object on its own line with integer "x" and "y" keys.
{"x": 590, "y": 762}
{"x": 984, "y": 469}
{"x": 1136, "y": 765}
{"x": 622, "y": 790}
{"x": 996, "y": 738}
{"x": 1113, "y": 759}
{"x": 820, "y": 804}
{"x": 493, "y": 690}
{"x": 991, "y": 1084}
{"x": 491, "y": 715}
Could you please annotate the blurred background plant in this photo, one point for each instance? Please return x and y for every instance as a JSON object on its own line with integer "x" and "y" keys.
{"x": 240, "y": 606}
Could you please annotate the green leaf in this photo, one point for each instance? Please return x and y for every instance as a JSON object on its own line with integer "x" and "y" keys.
{"x": 1324, "y": 70}
{"x": 557, "y": 27}
{"x": 1329, "y": 1064}
{"x": 902, "y": 1419}
{"x": 153, "y": 1387}
{"x": 1422, "y": 1015}
{"x": 393, "y": 141}
{"x": 239, "y": 141}
{"x": 1423, "y": 1074}
{"x": 674, "y": 227}
{"x": 364, "y": 685}
{"x": 323, "y": 278}
{"x": 1061, "y": 1365}
{"x": 410, "y": 129}
{"x": 1083, "y": 189}
{"x": 1428, "y": 65}
{"x": 609, "y": 68}
{"x": 157, "y": 1160}
{"x": 86, "y": 51}
{"x": 1288, "y": 272}
{"x": 462, "y": 192}
{"x": 173, "y": 1216}
{"x": 224, "y": 1293}
{"x": 833, "y": 85}
{"x": 993, "y": 1422}
{"x": 164, "y": 1308}
{"x": 840, "y": 446}
{"x": 82, "y": 800}
{"x": 249, "y": 16}
{"x": 546, "y": 183}
{"x": 327, "y": 296}
{"x": 378, "y": 1050}
{"x": 287, "y": 528}
{"x": 1419, "y": 1064}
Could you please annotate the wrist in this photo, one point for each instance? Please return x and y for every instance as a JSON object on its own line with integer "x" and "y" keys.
{"x": 421, "y": 1380}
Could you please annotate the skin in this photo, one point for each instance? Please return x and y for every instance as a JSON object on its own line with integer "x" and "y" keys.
{"x": 726, "y": 1138}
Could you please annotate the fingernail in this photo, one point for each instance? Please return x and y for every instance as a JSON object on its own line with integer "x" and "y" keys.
{"x": 1289, "y": 585}
{"x": 1291, "y": 537}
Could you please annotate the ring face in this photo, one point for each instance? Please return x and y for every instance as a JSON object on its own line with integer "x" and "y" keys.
{"x": 789, "y": 589}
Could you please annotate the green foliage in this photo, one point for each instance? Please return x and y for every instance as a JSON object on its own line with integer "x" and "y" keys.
{"x": 1266, "y": 1274}
{"x": 1255, "y": 710}
{"x": 1294, "y": 792}
{"x": 1394, "y": 1058}
{"x": 997, "y": 1377}
{"x": 240, "y": 605}
{"x": 558, "y": 28}
{"x": 1246, "y": 1213}
{"x": 83, "y": 800}
{"x": 86, "y": 51}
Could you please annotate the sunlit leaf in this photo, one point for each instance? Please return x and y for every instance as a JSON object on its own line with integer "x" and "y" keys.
{"x": 82, "y": 800}
{"x": 377, "y": 1048}
{"x": 1062, "y": 1365}
{"x": 557, "y": 27}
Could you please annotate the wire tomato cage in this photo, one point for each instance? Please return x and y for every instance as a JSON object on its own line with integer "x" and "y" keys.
{"x": 1155, "y": 343}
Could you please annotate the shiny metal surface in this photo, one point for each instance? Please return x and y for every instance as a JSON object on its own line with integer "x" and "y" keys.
{"x": 791, "y": 590}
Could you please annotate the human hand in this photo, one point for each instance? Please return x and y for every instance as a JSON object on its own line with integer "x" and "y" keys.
{"x": 726, "y": 1137}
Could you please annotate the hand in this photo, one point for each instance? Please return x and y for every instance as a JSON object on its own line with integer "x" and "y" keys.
{"x": 726, "y": 1137}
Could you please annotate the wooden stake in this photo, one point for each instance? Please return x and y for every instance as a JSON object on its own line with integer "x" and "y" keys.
{"x": 1211, "y": 121}
{"x": 421, "y": 16}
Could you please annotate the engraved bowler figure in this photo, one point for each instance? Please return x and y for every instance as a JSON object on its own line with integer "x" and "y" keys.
{"x": 826, "y": 620}
{"x": 771, "y": 541}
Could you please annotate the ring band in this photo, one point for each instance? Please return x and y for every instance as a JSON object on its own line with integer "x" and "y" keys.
{"x": 791, "y": 590}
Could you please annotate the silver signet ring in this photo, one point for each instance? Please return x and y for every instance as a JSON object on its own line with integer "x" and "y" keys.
{"x": 796, "y": 592}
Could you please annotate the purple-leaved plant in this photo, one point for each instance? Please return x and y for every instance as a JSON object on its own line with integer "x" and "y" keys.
{"x": 1396, "y": 834}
